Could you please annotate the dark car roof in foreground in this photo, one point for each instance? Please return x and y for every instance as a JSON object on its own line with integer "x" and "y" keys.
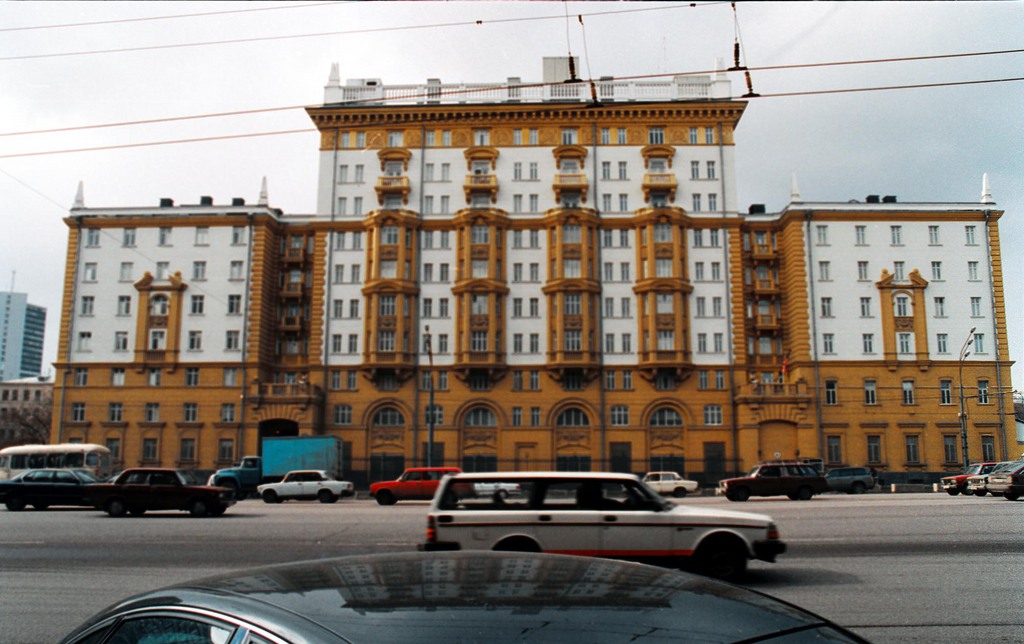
{"x": 490, "y": 597}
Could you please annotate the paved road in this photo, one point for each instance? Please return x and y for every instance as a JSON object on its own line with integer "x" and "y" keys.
{"x": 884, "y": 565}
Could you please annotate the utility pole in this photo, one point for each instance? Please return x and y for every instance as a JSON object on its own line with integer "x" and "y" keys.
{"x": 430, "y": 397}
{"x": 964, "y": 352}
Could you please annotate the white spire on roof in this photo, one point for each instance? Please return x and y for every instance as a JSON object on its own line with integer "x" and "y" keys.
{"x": 263, "y": 193}
{"x": 79, "y": 196}
{"x": 794, "y": 191}
{"x": 334, "y": 80}
{"x": 986, "y": 192}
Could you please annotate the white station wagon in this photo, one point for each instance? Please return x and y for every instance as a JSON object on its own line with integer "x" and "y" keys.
{"x": 595, "y": 514}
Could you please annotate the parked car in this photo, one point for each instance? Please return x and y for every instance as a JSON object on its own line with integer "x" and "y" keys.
{"x": 414, "y": 483}
{"x": 852, "y": 480}
{"x": 398, "y": 598}
{"x": 798, "y": 481}
{"x": 139, "y": 490}
{"x": 670, "y": 483}
{"x": 957, "y": 484}
{"x": 306, "y": 485}
{"x": 978, "y": 483}
{"x": 45, "y": 488}
{"x": 602, "y": 514}
{"x": 1008, "y": 483}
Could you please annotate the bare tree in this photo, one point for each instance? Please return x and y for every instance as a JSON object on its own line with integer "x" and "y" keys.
{"x": 27, "y": 422}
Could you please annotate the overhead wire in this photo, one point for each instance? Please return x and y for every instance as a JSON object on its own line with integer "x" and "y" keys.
{"x": 503, "y": 86}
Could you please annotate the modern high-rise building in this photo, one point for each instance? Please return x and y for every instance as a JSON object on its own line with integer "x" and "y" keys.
{"x": 22, "y": 328}
{"x": 550, "y": 275}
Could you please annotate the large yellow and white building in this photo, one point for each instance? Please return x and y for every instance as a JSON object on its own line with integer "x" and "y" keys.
{"x": 564, "y": 270}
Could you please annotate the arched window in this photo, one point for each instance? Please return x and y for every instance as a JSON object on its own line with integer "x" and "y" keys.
{"x": 666, "y": 417}
{"x": 158, "y": 305}
{"x": 480, "y": 417}
{"x": 390, "y": 417}
{"x": 573, "y": 417}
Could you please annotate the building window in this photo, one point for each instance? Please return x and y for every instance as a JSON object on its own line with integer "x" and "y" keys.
{"x": 933, "y": 235}
{"x": 979, "y": 343}
{"x": 149, "y": 450}
{"x": 870, "y": 393}
{"x": 976, "y": 307}
{"x": 831, "y": 392}
{"x": 826, "y": 307}
{"x": 896, "y": 235}
{"x": 620, "y": 415}
{"x": 712, "y": 415}
{"x": 862, "y": 271}
{"x": 227, "y": 412}
{"x": 232, "y": 341}
{"x": 908, "y": 392}
{"x": 115, "y": 412}
{"x": 78, "y": 412}
{"x": 128, "y": 237}
{"x": 834, "y": 450}
{"x": 343, "y": 415}
{"x": 190, "y": 412}
{"x": 828, "y": 342}
{"x": 195, "y": 340}
{"x": 970, "y": 240}
{"x": 972, "y": 271}
{"x": 949, "y": 451}
{"x": 874, "y": 449}
{"x": 904, "y": 343}
{"x": 913, "y": 448}
{"x": 941, "y": 342}
{"x": 937, "y": 271}
{"x": 983, "y": 392}
{"x": 865, "y": 307}
{"x": 152, "y": 412}
{"x": 230, "y": 377}
{"x": 988, "y": 448}
{"x": 940, "y": 307}
{"x": 945, "y": 392}
{"x": 234, "y": 304}
{"x": 117, "y": 377}
{"x": 821, "y": 235}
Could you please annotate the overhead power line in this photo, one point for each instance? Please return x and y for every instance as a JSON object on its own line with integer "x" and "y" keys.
{"x": 560, "y": 106}
{"x": 352, "y": 32}
{"x": 178, "y": 16}
{"x": 619, "y": 78}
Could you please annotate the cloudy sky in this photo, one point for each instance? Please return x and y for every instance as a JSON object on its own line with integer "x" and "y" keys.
{"x": 69, "y": 65}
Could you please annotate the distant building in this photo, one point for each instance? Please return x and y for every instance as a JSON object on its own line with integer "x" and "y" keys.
{"x": 564, "y": 269}
{"x": 25, "y": 411}
{"x": 22, "y": 328}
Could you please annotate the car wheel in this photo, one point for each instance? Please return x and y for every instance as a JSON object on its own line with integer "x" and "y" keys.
{"x": 517, "y": 544}
{"x": 740, "y": 494}
{"x": 804, "y": 493}
{"x": 116, "y": 508}
{"x": 721, "y": 557}
{"x": 980, "y": 492}
{"x": 15, "y": 503}
{"x": 218, "y": 510}
{"x": 326, "y": 496}
{"x": 231, "y": 485}
{"x": 501, "y": 495}
{"x": 858, "y": 488}
{"x": 1011, "y": 496}
{"x": 953, "y": 491}
{"x": 270, "y": 496}
{"x": 198, "y": 508}
{"x": 679, "y": 492}
{"x": 137, "y": 512}
{"x": 385, "y": 497}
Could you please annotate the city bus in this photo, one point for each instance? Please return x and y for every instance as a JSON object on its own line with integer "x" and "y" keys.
{"x": 83, "y": 456}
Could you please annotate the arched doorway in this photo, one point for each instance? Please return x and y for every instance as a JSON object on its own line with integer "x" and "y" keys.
{"x": 276, "y": 428}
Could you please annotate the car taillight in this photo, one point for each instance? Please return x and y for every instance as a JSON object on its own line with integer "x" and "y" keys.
{"x": 773, "y": 531}
{"x": 431, "y": 530}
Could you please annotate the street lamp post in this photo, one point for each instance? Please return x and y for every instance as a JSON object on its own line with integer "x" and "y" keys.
{"x": 964, "y": 352}
{"x": 430, "y": 397}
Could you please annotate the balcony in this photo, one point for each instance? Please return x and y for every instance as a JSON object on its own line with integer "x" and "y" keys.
{"x": 570, "y": 183}
{"x": 290, "y": 324}
{"x": 764, "y": 252}
{"x": 392, "y": 185}
{"x": 766, "y": 287}
{"x": 294, "y": 255}
{"x": 481, "y": 184}
{"x": 664, "y": 182}
{"x": 771, "y": 394}
{"x": 766, "y": 322}
{"x": 302, "y": 394}
{"x": 292, "y": 290}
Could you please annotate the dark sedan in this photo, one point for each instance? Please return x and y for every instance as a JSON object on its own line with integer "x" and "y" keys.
{"x": 44, "y": 488}
{"x": 142, "y": 489}
{"x": 457, "y": 597}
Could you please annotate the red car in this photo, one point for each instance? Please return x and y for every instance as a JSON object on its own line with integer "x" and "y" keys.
{"x": 142, "y": 489}
{"x": 414, "y": 483}
{"x": 957, "y": 484}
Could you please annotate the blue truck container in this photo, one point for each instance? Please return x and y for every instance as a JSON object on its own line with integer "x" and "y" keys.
{"x": 281, "y": 455}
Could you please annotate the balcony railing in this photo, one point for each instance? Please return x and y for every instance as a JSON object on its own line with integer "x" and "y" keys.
{"x": 697, "y": 87}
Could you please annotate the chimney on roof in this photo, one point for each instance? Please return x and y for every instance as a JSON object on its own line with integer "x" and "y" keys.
{"x": 237, "y": 201}
{"x": 889, "y": 199}
{"x": 166, "y": 202}
{"x": 756, "y": 209}
{"x": 872, "y": 199}
{"x": 205, "y": 201}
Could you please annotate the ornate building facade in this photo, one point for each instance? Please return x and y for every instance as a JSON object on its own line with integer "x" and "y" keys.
{"x": 538, "y": 276}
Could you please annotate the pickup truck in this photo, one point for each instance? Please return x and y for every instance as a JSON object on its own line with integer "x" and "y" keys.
{"x": 415, "y": 483}
{"x": 306, "y": 485}
{"x": 670, "y": 483}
